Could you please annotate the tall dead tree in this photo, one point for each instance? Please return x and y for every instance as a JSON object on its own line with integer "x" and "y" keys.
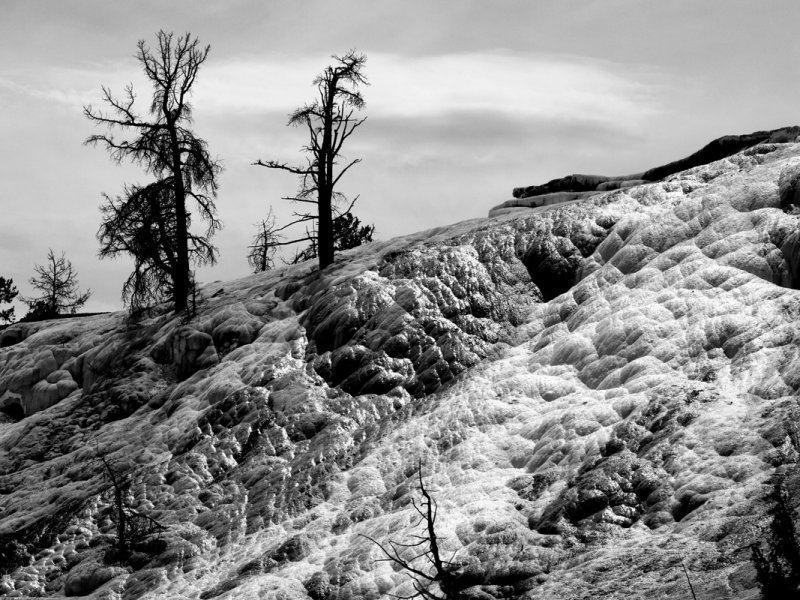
{"x": 330, "y": 121}
{"x": 152, "y": 223}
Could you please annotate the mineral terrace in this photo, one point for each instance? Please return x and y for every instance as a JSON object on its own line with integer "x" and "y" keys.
{"x": 597, "y": 392}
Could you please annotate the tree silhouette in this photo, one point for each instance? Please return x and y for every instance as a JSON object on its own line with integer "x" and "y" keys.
{"x": 152, "y": 222}
{"x": 58, "y": 283}
{"x": 330, "y": 122}
{"x": 143, "y": 224}
{"x": 262, "y": 251}
{"x": 7, "y": 293}
{"x": 348, "y": 232}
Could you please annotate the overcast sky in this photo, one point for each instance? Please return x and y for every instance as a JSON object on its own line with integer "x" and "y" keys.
{"x": 468, "y": 99}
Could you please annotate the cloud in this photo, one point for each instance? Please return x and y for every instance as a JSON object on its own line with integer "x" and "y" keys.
{"x": 477, "y": 132}
{"x": 70, "y": 87}
{"x": 526, "y": 85}
{"x": 558, "y": 87}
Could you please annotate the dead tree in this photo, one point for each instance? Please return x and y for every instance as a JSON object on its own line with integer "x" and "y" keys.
{"x": 120, "y": 484}
{"x": 165, "y": 145}
{"x": 437, "y": 572}
{"x": 330, "y": 121}
{"x": 262, "y": 251}
{"x": 133, "y": 527}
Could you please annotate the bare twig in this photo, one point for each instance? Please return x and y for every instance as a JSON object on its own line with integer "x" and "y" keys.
{"x": 688, "y": 580}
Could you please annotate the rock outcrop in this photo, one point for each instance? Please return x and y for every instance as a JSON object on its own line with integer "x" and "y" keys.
{"x": 575, "y": 187}
{"x": 597, "y": 394}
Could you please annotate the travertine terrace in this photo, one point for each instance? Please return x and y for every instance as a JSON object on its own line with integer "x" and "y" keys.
{"x": 596, "y": 391}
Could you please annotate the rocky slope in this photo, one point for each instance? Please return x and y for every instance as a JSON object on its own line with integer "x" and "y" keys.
{"x": 596, "y": 392}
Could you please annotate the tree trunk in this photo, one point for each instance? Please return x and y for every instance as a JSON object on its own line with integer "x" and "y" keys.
{"x": 325, "y": 180}
{"x": 180, "y": 279}
{"x": 325, "y": 233}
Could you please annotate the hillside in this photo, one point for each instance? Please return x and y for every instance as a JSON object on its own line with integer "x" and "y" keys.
{"x": 597, "y": 392}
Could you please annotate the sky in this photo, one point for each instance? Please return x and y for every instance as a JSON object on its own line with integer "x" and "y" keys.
{"x": 467, "y": 100}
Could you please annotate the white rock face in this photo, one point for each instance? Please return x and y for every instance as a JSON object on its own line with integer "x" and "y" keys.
{"x": 596, "y": 391}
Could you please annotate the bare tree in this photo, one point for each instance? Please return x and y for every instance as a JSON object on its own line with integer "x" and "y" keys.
{"x": 8, "y": 292}
{"x": 133, "y": 527}
{"x": 437, "y": 572}
{"x": 120, "y": 484}
{"x": 330, "y": 122}
{"x": 58, "y": 283}
{"x": 262, "y": 251}
{"x": 165, "y": 146}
